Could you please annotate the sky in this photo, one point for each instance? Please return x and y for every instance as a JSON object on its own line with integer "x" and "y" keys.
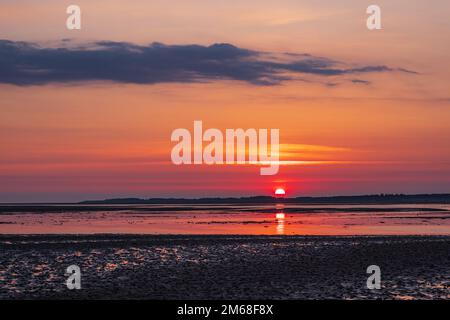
{"x": 88, "y": 114}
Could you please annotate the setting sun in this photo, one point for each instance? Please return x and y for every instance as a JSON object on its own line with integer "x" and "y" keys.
{"x": 280, "y": 192}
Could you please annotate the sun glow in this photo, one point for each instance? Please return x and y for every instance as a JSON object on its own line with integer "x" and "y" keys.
{"x": 280, "y": 215}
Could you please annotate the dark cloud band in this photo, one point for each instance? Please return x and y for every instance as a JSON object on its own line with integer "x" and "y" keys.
{"x": 24, "y": 63}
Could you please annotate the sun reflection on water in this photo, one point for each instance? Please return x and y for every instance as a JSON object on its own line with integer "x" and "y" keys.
{"x": 280, "y": 222}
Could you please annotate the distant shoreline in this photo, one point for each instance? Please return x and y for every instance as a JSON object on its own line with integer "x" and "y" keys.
{"x": 374, "y": 199}
{"x": 361, "y": 199}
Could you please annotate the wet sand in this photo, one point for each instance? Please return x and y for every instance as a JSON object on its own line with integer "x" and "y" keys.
{"x": 224, "y": 267}
{"x": 249, "y": 219}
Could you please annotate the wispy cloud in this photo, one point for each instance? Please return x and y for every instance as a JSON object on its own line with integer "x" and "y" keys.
{"x": 24, "y": 63}
{"x": 360, "y": 81}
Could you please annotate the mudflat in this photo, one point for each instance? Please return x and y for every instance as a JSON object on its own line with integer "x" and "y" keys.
{"x": 224, "y": 267}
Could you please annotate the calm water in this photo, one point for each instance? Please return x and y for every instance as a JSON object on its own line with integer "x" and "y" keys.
{"x": 407, "y": 219}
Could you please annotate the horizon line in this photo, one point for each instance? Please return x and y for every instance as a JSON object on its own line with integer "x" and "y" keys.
{"x": 240, "y": 198}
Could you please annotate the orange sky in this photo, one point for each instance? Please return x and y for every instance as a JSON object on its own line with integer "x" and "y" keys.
{"x": 68, "y": 142}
